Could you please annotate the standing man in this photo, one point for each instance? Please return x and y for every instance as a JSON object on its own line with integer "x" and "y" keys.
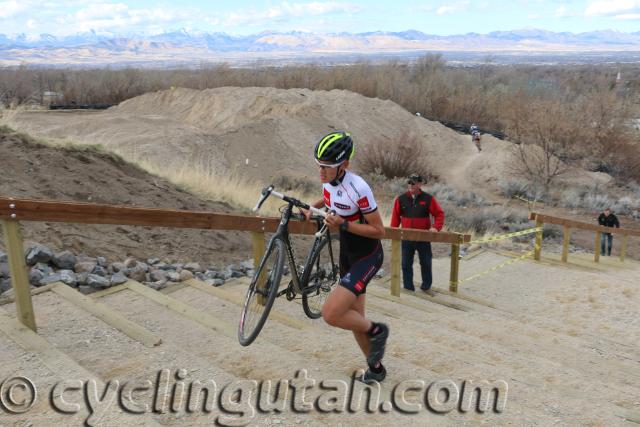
{"x": 414, "y": 209}
{"x": 607, "y": 219}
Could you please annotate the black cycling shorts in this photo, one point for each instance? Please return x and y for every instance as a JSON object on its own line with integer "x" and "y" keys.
{"x": 355, "y": 276}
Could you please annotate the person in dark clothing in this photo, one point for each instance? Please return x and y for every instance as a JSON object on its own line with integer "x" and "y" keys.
{"x": 607, "y": 219}
{"x": 414, "y": 209}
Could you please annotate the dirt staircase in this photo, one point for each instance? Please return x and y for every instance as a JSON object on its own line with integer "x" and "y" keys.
{"x": 131, "y": 333}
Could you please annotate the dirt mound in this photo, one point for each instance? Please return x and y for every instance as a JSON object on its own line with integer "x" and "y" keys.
{"x": 32, "y": 170}
{"x": 251, "y": 131}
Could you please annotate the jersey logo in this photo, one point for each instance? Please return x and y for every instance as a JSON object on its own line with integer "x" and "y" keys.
{"x": 359, "y": 286}
{"x": 341, "y": 206}
{"x": 339, "y": 193}
{"x": 363, "y": 203}
{"x": 327, "y": 197}
{"x": 423, "y": 203}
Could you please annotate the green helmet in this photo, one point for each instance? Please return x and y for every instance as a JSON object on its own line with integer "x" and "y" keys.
{"x": 335, "y": 147}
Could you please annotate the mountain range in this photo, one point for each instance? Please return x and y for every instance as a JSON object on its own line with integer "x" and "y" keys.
{"x": 184, "y": 46}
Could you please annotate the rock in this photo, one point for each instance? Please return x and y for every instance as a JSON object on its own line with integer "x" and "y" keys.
{"x": 138, "y": 273}
{"x": 177, "y": 267}
{"x": 200, "y": 276}
{"x": 35, "y": 276}
{"x": 117, "y": 266}
{"x": 379, "y": 273}
{"x": 85, "y": 267}
{"x": 64, "y": 260}
{"x": 102, "y": 262}
{"x": 5, "y": 285}
{"x": 232, "y": 272}
{"x": 3, "y": 257}
{"x": 250, "y": 272}
{"x": 212, "y": 274}
{"x": 153, "y": 261}
{"x": 85, "y": 289}
{"x": 84, "y": 258}
{"x": 81, "y": 278}
{"x": 130, "y": 262}
{"x": 118, "y": 279}
{"x": 161, "y": 284}
{"x": 45, "y": 268}
{"x": 4, "y": 270}
{"x": 98, "y": 282}
{"x": 174, "y": 276}
{"x": 157, "y": 275}
{"x": 214, "y": 282}
{"x": 164, "y": 266}
{"x": 99, "y": 270}
{"x": 65, "y": 276}
{"x": 186, "y": 275}
{"x": 193, "y": 267}
{"x": 38, "y": 253}
{"x": 247, "y": 265}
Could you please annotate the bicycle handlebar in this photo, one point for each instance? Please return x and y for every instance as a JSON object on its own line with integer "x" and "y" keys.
{"x": 267, "y": 191}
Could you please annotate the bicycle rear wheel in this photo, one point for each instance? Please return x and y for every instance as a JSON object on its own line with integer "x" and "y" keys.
{"x": 320, "y": 276}
{"x": 261, "y": 293}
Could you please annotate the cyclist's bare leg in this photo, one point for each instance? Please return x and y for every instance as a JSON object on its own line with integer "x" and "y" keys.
{"x": 339, "y": 311}
{"x": 361, "y": 337}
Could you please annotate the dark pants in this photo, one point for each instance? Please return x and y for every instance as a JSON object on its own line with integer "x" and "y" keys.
{"x": 603, "y": 238}
{"x": 424, "y": 255}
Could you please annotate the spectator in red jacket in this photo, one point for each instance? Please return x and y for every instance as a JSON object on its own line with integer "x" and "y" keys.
{"x": 414, "y": 209}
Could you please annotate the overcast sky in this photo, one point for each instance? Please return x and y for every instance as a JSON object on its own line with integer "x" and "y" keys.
{"x": 443, "y": 17}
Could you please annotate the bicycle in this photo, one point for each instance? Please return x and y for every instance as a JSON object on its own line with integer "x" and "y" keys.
{"x": 312, "y": 282}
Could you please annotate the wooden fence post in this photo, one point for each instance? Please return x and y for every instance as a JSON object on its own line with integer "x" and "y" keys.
{"x": 566, "y": 236}
{"x": 596, "y": 256}
{"x": 258, "y": 252}
{"x": 19, "y": 275}
{"x": 538, "y": 246}
{"x": 455, "y": 265}
{"x": 623, "y": 249}
{"x": 395, "y": 267}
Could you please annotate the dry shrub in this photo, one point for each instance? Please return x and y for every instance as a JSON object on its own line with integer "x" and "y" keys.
{"x": 398, "y": 157}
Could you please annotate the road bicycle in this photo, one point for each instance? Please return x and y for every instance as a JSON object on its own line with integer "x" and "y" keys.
{"x": 312, "y": 281}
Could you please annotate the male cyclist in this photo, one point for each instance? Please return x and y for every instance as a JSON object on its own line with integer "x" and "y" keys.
{"x": 475, "y": 136}
{"x": 361, "y": 228}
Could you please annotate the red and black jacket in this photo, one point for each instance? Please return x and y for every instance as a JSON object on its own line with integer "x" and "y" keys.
{"x": 416, "y": 213}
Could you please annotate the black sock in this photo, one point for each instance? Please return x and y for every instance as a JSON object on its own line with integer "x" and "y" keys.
{"x": 377, "y": 368}
{"x": 375, "y": 329}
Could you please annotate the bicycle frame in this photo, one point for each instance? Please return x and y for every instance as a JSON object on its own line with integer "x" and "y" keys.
{"x": 283, "y": 232}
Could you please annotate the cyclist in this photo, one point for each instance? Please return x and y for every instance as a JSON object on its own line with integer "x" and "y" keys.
{"x": 475, "y": 137}
{"x": 361, "y": 228}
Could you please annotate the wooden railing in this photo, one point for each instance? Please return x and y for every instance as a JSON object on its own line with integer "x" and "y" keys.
{"x": 568, "y": 224}
{"x": 12, "y": 211}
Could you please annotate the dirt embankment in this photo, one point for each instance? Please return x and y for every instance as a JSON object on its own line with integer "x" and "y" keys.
{"x": 263, "y": 133}
{"x": 31, "y": 170}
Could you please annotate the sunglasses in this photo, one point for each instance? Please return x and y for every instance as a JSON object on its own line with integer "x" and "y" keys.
{"x": 324, "y": 166}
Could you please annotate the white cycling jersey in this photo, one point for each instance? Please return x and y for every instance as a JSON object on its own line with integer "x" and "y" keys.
{"x": 350, "y": 198}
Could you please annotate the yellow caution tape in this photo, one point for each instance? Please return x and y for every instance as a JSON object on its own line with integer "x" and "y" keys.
{"x": 492, "y": 269}
{"x": 507, "y": 236}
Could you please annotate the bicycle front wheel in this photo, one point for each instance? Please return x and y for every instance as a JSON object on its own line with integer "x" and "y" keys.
{"x": 261, "y": 293}
{"x": 319, "y": 278}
